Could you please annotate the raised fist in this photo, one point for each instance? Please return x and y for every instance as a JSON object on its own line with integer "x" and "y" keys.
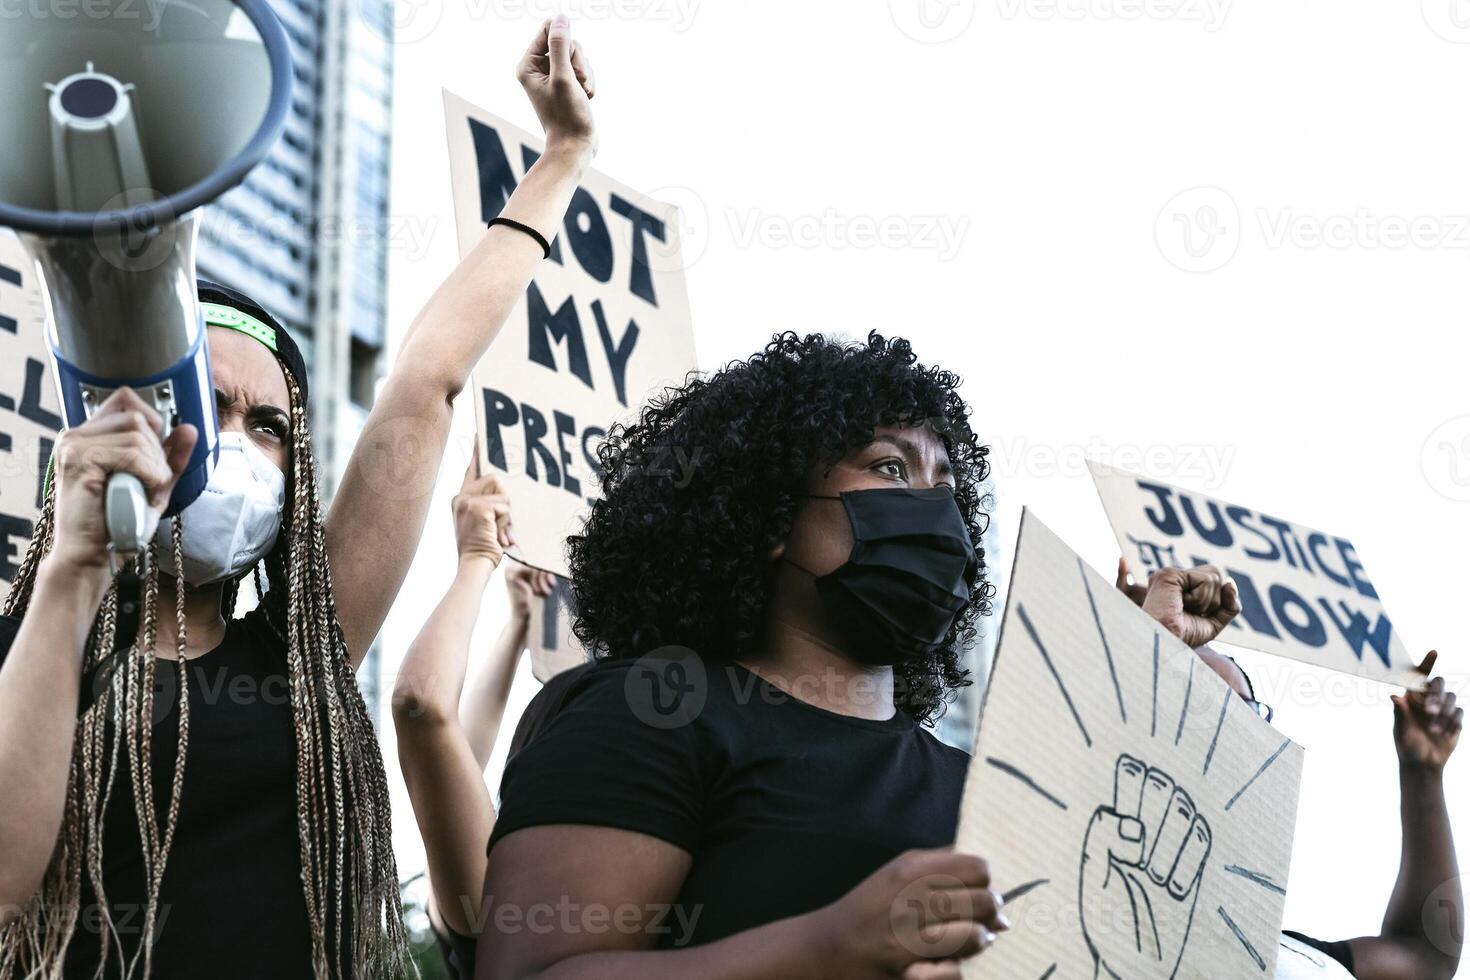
{"x": 1142, "y": 860}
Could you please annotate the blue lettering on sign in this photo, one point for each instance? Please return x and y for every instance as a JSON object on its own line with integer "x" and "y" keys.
{"x": 1283, "y": 609}
{"x": 1274, "y": 540}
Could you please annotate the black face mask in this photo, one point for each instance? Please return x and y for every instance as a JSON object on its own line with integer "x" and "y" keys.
{"x": 905, "y": 581}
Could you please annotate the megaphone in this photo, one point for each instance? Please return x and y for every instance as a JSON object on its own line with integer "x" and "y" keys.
{"x": 120, "y": 122}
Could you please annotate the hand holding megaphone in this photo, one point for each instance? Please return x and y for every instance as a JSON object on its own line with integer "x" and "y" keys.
{"x": 121, "y": 438}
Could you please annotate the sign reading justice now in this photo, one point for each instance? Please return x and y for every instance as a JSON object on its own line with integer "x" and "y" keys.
{"x": 604, "y": 323}
{"x": 29, "y": 414}
{"x": 1304, "y": 594}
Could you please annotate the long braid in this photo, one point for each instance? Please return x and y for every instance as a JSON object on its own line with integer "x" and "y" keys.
{"x": 347, "y": 858}
{"x": 348, "y": 872}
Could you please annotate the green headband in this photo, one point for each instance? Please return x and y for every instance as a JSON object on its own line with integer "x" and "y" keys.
{"x": 218, "y": 315}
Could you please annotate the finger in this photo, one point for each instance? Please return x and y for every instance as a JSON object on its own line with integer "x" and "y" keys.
{"x": 955, "y": 940}
{"x": 1178, "y": 819}
{"x": 148, "y": 465}
{"x": 981, "y": 905}
{"x": 1426, "y": 667}
{"x": 1202, "y": 586}
{"x": 125, "y": 400}
{"x": 969, "y": 869}
{"x": 1115, "y": 836}
{"x": 545, "y": 582}
{"x": 177, "y": 449}
{"x": 934, "y": 970}
{"x": 1153, "y": 807}
{"x": 1456, "y": 722}
{"x": 1128, "y": 786}
{"x": 1122, "y": 580}
{"x": 1230, "y": 597}
{"x": 1443, "y": 710}
{"x": 539, "y": 44}
{"x": 559, "y": 45}
{"x": 583, "y": 67}
{"x": 471, "y": 473}
{"x": 1191, "y": 860}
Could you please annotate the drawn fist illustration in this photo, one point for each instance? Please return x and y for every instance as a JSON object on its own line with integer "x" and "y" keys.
{"x": 1142, "y": 860}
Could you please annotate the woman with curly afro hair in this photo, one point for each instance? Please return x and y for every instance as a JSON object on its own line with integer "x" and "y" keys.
{"x": 777, "y": 585}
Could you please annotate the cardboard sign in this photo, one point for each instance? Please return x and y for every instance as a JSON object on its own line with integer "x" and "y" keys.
{"x": 30, "y": 415}
{"x": 1137, "y": 815}
{"x": 553, "y": 647}
{"x": 1303, "y": 593}
{"x": 604, "y": 324}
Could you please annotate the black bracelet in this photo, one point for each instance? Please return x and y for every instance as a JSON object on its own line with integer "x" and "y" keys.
{"x": 510, "y": 223}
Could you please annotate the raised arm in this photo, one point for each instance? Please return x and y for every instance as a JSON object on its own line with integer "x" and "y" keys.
{"x": 1423, "y": 927}
{"x": 41, "y": 673}
{"x": 482, "y": 707}
{"x": 377, "y": 517}
{"x": 445, "y": 782}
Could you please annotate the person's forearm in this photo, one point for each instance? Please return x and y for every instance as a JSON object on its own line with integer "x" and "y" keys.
{"x": 786, "y": 948}
{"x": 1428, "y": 871}
{"x": 456, "y": 326}
{"x": 432, "y": 674}
{"x": 377, "y": 516}
{"x": 39, "y": 688}
{"x": 483, "y": 706}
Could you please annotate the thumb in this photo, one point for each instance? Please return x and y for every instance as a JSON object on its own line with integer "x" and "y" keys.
{"x": 1112, "y": 834}
{"x": 1122, "y": 582}
{"x": 559, "y": 46}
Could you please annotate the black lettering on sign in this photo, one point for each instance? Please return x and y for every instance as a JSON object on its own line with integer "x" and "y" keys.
{"x": 563, "y": 326}
{"x": 561, "y": 598}
{"x": 546, "y": 461}
{"x": 12, "y": 276}
{"x": 30, "y": 399}
{"x": 640, "y": 279}
{"x": 591, "y": 245}
{"x": 497, "y": 180}
{"x": 584, "y": 225}
{"x": 618, "y": 354}
{"x": 15, "y": 535}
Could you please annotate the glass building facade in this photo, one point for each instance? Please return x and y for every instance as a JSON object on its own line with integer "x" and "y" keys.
{"x": 306, "y": 233}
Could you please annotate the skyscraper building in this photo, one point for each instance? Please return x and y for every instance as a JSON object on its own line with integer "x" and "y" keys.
{"x": 306, "y": 233}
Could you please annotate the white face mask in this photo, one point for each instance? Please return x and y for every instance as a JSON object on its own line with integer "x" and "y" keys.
{"x": 234, "y": 522}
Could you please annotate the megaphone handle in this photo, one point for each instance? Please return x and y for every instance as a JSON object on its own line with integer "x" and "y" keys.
{"x": 126, "y": 508}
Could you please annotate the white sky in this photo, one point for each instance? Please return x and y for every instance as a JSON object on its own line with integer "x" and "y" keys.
{"x": 1025, "y": 174}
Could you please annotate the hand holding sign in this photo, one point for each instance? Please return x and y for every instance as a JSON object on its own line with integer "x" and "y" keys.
{"x": 1141, "y": 867}
{"x": 1426, "y": 724}
{"x": 1302, "y": 593}
{"x": 481, "y": 516}
{"x": 923, "y": 908}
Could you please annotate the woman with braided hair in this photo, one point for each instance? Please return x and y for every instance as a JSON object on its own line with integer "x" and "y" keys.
{"x": 211, "y": 800}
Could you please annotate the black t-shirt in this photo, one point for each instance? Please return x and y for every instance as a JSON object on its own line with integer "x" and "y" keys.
{"x": 784, "y": 806}
{"x": 231, "y": 903}
{"x": 456, "y": 950}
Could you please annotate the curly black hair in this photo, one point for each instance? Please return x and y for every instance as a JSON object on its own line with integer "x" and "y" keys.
{"x": 664, "y": 560}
